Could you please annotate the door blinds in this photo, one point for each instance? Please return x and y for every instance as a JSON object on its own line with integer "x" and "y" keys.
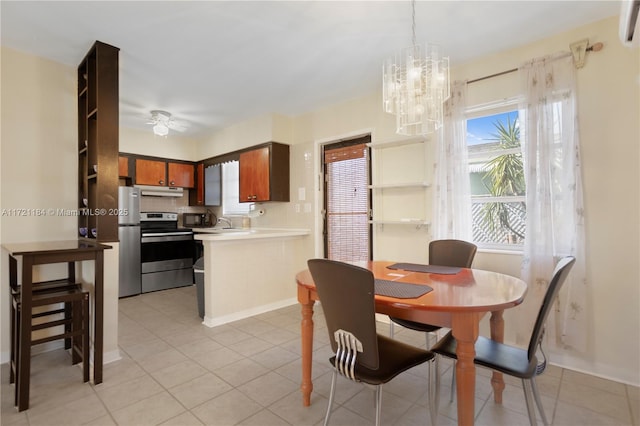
{"x": 347, "y": 202}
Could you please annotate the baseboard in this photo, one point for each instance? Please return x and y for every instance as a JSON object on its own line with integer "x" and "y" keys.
{"x": 224, "y": 319}
{"x": 108, "y": 357}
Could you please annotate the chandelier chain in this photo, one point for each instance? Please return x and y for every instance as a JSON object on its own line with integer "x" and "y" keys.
{"x": 413, "y": 22}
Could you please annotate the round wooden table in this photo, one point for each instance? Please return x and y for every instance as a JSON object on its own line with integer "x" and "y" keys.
{"x": 458, "y": 301}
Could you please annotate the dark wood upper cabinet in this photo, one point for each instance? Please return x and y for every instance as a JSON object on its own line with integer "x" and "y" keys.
{"x": 196, "y": 197}
{"x": 151, "y": 172}
{"x": 264, "y": 173}
{"x": 162, "y": 172}
{"x": 123, "y": 166}
{"x": 181, "y": 175}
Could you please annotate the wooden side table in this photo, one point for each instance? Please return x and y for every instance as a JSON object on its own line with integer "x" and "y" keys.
{"x": 40, "y": 253}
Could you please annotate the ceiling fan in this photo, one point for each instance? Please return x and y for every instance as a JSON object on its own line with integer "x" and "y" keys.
{"x": 163, "y": 121}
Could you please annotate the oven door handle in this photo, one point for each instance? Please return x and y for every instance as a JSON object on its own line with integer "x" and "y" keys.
{"x": 171, "y": 236}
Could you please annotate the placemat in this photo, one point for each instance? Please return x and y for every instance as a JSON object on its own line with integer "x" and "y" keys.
{"x": 432, "y": 269}
{"x": 400, "y": 290}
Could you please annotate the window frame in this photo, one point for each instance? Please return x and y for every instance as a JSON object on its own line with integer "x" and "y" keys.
{"x": 232, "y": 206}
{"x": 484, "y": 110}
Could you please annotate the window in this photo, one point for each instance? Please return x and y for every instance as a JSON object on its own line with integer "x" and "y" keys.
{"x": 231, "y": 190}
{"x": 496, "y": 172}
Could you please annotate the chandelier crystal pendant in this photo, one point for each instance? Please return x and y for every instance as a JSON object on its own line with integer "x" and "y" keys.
{"x": 415, "y": 84}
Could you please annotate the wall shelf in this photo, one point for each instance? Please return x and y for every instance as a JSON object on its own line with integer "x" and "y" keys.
{"x": 400, "y": 185}
{"x": 401, "y": 176}
{"x": 98, "y": 141}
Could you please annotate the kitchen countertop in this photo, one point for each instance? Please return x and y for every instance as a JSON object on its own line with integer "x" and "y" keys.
{"x": 220, "y": 234}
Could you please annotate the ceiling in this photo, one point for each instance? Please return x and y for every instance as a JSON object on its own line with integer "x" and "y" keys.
{"x": 215, "y": 63}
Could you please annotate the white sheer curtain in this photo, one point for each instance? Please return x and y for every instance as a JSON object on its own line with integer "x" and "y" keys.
{"x": 555, "y": 214}
{"x": 452, "y": 193}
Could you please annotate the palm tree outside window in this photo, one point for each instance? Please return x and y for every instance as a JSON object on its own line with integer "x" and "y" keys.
{"x": 497, "y": 180}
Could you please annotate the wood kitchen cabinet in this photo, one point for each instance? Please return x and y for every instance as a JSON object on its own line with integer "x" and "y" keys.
{"x": 123, "y": 167}
{"x": 151, "y": 172}
{"x": 181, "y": 175}
{"x": 196, "y": 197}
{"x": 264, "y": 173}
{"x": 164, "y": 173}
{"x": 98, "y": 140}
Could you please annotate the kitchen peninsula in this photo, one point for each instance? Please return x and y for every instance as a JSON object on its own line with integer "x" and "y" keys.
{"x": 249, "y": 271}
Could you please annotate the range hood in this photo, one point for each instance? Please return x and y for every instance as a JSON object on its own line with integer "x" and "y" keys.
{"x": 160, "y": 191}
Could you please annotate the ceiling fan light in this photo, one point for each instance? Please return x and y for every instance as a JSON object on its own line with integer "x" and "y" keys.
{"x": 160, "y": 129}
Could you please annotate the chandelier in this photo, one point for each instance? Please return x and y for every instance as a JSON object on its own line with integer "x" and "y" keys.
{"x": 415, "y": 84}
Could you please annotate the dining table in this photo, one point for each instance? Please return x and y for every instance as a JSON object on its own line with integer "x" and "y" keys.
{"x": 458, "y": 299}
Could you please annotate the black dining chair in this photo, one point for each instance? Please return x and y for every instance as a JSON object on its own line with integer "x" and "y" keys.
{"x": 454, "y": 253}
{"x": 513, "y": 361}
{"x": 347, "y": 293}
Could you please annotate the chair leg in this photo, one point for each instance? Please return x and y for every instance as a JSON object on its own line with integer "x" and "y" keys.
{"x": 73, "y": 312}
{"x": 526, "y": 384}
{"x": 453, "y": 383}
{"x": 14, "y": 334}
{"x": 331, "y": 395}
{"x": 85, "y": 338}
{"x": 536, "y": 396}
{"x": 68, "y": 314}
{"x": 434, "y": 389}
{"x": 16, "y": 354}
{"x": 378, "y": 403}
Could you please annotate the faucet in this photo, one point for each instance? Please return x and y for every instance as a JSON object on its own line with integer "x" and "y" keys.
{"x": 227, "y": 221}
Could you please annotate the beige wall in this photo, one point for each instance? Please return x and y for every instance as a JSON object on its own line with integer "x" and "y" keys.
{"x": 609, "y": 101}
{"x": 39, "y": 174}
{"x": 144, "y": 142}
{"x": 38, "y": 169}
{"x": 609, "y": 120}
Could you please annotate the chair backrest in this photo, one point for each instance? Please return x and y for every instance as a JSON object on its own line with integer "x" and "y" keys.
{"x": 454, "y": 253}
{"x": 562, "y": 269}
{"x": 347, "y": 296}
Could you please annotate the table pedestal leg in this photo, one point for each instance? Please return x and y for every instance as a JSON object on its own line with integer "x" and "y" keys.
{"x": 307, "y": 349}
{"x": 497, "y": 333}
{"x": 465, "y": 330}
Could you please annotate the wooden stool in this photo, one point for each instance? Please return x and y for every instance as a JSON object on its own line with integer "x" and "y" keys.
{"x": 76, "y": 324}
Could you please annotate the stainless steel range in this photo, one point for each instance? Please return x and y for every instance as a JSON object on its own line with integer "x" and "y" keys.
{"x": 166, "y": 251}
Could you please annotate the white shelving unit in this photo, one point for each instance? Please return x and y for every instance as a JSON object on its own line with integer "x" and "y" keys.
{"x": 400, "y": 188}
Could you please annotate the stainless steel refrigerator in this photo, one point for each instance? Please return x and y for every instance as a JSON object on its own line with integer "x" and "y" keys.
{"x": 130, "y": 277}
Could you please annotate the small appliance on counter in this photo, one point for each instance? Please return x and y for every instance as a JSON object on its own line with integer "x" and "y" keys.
{"x": 198, "y": 220}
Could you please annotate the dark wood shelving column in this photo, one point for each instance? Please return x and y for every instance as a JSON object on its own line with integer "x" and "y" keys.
{"x": 98, "y": 142}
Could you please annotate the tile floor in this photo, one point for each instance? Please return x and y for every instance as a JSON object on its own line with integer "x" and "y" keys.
{"x": 175, "y": 371}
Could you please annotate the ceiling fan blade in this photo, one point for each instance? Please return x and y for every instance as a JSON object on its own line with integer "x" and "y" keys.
{"x": 177, "y": 126}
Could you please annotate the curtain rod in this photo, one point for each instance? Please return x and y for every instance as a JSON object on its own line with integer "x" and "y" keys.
{"x": 594, "y": 48}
